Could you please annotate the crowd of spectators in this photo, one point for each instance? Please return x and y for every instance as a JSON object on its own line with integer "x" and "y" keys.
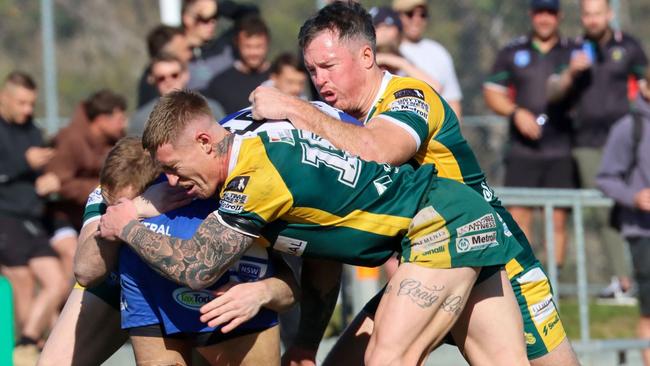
{"x": 562, "y": 96}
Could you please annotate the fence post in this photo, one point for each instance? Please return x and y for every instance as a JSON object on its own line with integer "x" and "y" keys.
{"x": 581, "y": 270}
{"x": 549, "y": 225}
{"x": 6, "y": 323}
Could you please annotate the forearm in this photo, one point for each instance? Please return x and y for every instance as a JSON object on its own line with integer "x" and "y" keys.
{"x": 197, "y": 262}
{"x": 498, "y": 101}
{"x": 357, "y": 140}
{"x": 320, "y": 283}
{"x": 94, "y": 257}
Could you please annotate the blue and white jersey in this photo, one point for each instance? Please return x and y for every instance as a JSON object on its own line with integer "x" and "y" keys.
{"x": 242, "y": 122}
{"x": 148, "y": 298}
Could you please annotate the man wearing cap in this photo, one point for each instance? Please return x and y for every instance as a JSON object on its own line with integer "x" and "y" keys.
{"x": 427, "y": 54}
{"x": 539, "y": 153}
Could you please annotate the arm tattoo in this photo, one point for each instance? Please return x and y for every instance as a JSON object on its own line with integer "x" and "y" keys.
{"x": 197, "y": 262}
{"x": 317, "y": 302}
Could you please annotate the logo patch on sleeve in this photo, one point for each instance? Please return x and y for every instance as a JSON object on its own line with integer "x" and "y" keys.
{"x": 233, "y": 202}
{"x": 95, "y": 197}
{"x": 237, "y": 184}
{"x": 284, "y": 136}
{"x": 411, "y": 104}
{"x": 403, "y": 93}
{"x": 476, "y": 242}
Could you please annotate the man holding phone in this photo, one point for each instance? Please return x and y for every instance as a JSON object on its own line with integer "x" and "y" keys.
{"x": 601, "y": 81}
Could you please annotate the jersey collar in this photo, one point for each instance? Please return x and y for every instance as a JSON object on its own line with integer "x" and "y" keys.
{"x": 384, "y": 83}
{"x": 234, "y": 153}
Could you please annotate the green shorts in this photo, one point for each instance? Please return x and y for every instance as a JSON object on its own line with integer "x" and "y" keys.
{"x": 455, "y": 227}
{"x": 108, "y": 290}
{"x": 543, "y": 329}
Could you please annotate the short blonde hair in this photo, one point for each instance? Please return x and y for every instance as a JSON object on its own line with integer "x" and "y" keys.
{"x": 171, "y": 115}
{"x": 128, "y": 164}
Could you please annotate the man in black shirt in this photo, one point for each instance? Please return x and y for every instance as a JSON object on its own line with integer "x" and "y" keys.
{"x": 232, "y": 88}
{"x": 601, "y": 90}
{"x": 25, "y": 252}
{"x": 539, "y": 153}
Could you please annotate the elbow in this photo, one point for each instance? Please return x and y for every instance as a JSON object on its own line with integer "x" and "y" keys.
{"x": 85, "y": 277}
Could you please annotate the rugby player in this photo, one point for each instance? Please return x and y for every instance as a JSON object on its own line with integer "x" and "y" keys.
{"x": 405, "y": 121}
{"x": 304, "y": 196}
{"x": 163, "y": 318}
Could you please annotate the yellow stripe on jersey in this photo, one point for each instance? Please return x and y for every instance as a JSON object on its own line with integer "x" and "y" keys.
{"x": 387, "y": 225}
{"x": 264, "y": 182}
{"x": 513, "y": 268}
{"x": 446, "y": 164}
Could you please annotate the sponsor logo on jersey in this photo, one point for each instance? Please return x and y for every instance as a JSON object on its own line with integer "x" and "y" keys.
{"x": 158, "y": 229}
{"x": 426, "y": 216}
{"x": 404, "y": 93}
{"x": 191, "y": 299}
{"x": 411, "y": 104}
{"x": 238, "y": 183}
{"x": 530, "y": 338}
{"x": 290, "y": 245}
{"x": 476, "y": 242}
{"x": 233, "y": 202}
{"x": 284, "y": 136}
{"x": 249, "y": 271}
{"x": 522, "y": 58}
{"x": 382, "y": 183}
{"x": 95, "y": 197}
{"x": 488, "y": 193}
{"x": 435, "y": 242}
{"x": 506, "y": 229}
{"x": 542, "y": 310}
{"x": 549, "y": 327}
{"x": 483, "y": 223}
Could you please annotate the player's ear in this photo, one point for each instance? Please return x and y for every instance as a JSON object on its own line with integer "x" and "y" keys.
{"x": 367, "y": 56}
{"x": 205, "y": 141}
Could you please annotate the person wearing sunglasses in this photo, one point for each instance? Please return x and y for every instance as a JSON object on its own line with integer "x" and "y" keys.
{"x": 167, "y": 73}
{"x": 427, "y": 54}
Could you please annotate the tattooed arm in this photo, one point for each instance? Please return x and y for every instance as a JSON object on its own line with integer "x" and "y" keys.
{"x": 197, "y": 262}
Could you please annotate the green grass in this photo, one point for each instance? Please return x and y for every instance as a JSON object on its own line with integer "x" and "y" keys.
{"x": 606, "y": 321}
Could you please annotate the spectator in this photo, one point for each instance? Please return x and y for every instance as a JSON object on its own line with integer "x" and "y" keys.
{"x": 388, "y": 30}
{"x": 249, "y": 71}
{"x": 24, "y": 249}
{"x": 168, "y": 73}
{"x": 599, "y": 84}
{"x": 427, "y": 54}
{"x": 211, "y": 56}
{"x": 163, "y": 38}
{"x": 539, "y": 154}
{"x": 625, "y": 176}
{"x": 81, "y": 148}
{"x": 288, "y": 75}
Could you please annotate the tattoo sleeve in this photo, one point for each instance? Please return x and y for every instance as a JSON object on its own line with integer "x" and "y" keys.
{"x": 320, "y": 282}
{"x": 197, "y": 262}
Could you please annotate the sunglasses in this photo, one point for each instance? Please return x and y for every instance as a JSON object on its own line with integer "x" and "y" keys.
{"x": 161, "y": 78}
{"x": 424, "y": 14}
{"x": 205, "y": 20}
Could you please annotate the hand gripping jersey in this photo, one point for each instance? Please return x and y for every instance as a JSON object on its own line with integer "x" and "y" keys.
{"x": 148, "y": 298}
{"x": 308, "y": 198}
{"x": 416, "y": 107}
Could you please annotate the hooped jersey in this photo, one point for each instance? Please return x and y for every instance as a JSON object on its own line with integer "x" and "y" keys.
{"x": 417, "y": 108}
{"x": 148, "y": 298}
{"x": 310, "y": 199}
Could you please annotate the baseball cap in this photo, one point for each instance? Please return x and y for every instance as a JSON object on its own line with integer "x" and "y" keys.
{"x": 407, "y": 5}
{"x": 545, "y": 5}
{"x": 384, "y": 15}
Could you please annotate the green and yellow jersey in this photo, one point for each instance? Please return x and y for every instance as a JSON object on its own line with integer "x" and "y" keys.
{"x": 413, "y": 105}
{"x": 308, "y": 198}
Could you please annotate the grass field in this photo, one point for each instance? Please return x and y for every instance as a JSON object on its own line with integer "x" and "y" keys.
{"x": 606, "y": 321}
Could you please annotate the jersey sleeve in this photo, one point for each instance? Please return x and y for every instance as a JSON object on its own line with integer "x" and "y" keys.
{"x": 638, "y": 60}
{"x": 254, "y": 193}
{"x": 501, "y": 73}
{"x": 95, "y": 206}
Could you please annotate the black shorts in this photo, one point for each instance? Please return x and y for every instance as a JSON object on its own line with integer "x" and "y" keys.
{"x": 21, "y": 240}
{"x": 196, "y": 339}
{"x": 541, "y": 172}
{"x": 640, "y": 251}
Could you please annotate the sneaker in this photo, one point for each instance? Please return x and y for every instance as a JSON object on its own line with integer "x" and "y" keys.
{"x": 613, "y": 294}
{"x": 26, "y": 355}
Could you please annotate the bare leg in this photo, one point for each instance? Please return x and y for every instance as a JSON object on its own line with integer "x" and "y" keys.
{"x": 22, "y": 287}
{"x": 433, "y": 300}
{"x": 524, "y": 218}
{"x": 643, "y": 331}
{"x": 261, "y": 348}
{"x": 53, "y": 288}
{"x": 87, "y": 332}
{"x": 65, "y": 246}
{"x": 490, "y": 330}
{"x": 559, "y": 224}
{"x": 154, "y": 351}
{"x": 562, "y": 355}
{"x": 351, "y": 346}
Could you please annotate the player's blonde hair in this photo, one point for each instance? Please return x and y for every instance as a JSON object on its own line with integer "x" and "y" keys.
{"x": 128, "y": 165}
